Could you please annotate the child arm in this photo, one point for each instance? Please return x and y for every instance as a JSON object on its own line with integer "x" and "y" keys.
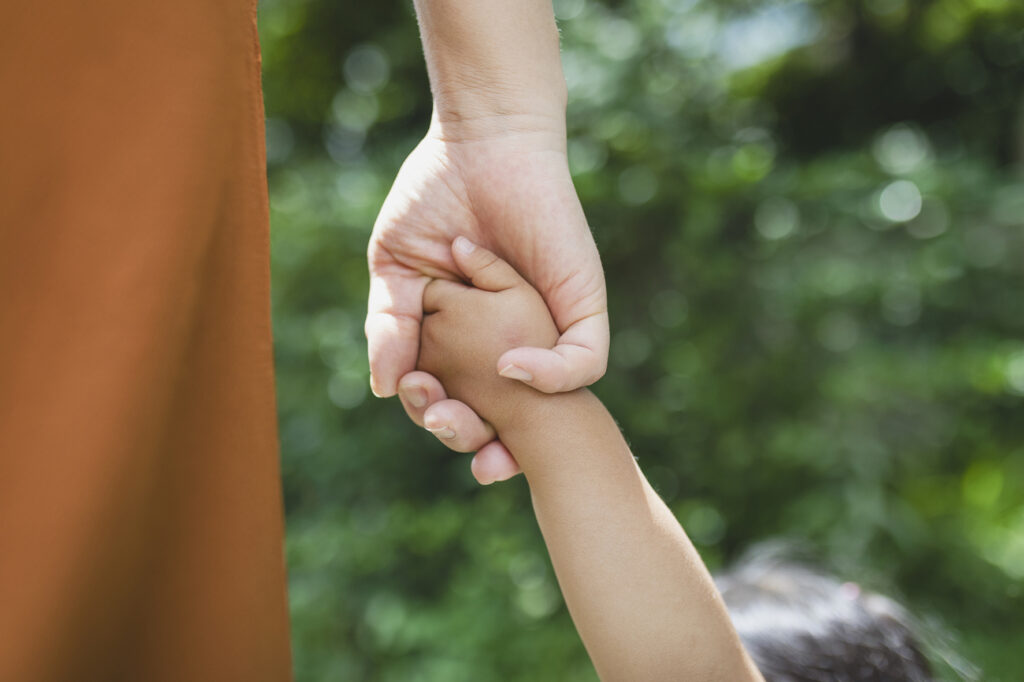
{"x": 639, "y": 594}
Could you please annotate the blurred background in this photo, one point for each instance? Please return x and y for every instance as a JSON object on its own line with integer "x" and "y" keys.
{"x": 811, "y": 217}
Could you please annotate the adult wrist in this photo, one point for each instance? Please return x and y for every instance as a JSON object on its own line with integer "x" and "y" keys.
{"x": 493, "y": 62}
{"x": 476, "y": 121}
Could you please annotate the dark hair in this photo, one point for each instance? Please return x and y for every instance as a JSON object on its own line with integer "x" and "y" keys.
{"x": 800, "y": 625}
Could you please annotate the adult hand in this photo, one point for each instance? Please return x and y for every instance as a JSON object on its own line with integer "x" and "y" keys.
{"x": 510, "y": 191}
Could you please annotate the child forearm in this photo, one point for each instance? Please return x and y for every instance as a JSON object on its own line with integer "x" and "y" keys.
{"x": 642, "y": 600}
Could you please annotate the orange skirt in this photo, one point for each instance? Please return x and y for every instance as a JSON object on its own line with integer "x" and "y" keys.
{"x": 140, "y": 500}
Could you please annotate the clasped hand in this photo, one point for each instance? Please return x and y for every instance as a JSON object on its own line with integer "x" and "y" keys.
{"x": 511, "y": 194}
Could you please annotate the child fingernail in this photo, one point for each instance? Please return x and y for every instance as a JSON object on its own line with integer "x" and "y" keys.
{"x": 444, "y": 432}
{"x": 513, "y": 372}
{"x": 463, "y": 245}
{"x": 417, "y": 397}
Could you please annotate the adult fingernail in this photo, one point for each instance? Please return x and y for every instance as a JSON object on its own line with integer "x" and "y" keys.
{"x": 415, "y": 396}
{"x": 373, "y": 387}
{"x": 513, "y": 372}
{"x": 444, "y": 432}
{"x": 463, "y": 245}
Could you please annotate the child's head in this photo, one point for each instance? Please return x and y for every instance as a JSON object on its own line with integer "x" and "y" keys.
{"x": 802, "y": 626}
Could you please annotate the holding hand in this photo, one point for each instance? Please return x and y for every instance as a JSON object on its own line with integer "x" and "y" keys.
{"x": 511, "y": 192}
{"x": 466, "y": 329}
{"x": 492, "y": 168}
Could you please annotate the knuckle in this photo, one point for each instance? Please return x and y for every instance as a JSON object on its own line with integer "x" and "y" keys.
{"x": 491, "y": 263}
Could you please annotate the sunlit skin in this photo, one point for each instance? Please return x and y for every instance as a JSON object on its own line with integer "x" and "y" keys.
{"x": 639, "y": 594}
{"x": 513, "y": 195}
{"x": 493, "y": 168}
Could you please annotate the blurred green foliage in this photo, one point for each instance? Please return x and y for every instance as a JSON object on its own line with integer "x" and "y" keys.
{"x": 812, "y": 221}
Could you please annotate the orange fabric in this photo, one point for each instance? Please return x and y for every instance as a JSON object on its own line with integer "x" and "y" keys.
{"x": 140, "y": 504}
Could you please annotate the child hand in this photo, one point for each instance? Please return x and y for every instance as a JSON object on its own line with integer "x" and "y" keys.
{"x": 466, "y": 329}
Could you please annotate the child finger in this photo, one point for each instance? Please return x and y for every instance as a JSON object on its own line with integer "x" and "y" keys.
{"x": 457, "y": 426}
{"x": 483, "y": 268}
{"x": 418, "y": 391}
